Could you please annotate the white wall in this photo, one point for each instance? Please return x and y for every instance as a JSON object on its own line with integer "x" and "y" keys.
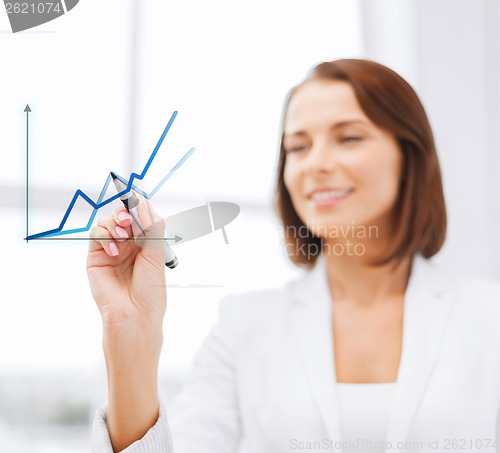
{"x": 449, "y": 51}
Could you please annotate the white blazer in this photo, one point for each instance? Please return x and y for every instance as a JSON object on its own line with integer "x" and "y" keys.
{"x": 265, "y": 376}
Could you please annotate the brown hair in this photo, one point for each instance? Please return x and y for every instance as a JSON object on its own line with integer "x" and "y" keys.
{"x": 392, "y": 104}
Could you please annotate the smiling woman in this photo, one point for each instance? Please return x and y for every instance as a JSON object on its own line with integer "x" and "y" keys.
{"x": 360, "y": 198}
{"x": 356, "y": 138}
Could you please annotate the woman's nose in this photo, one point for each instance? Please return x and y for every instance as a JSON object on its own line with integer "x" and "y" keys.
{"x": 321, "y": 159}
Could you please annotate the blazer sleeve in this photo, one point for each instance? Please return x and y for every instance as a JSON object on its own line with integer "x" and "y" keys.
{"x": 204, "y": 417}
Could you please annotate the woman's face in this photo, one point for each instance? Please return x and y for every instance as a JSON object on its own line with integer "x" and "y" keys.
{"x": 340, "y": 169}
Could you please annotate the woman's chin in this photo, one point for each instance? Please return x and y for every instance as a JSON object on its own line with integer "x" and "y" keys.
{"x": 342, "y": 228}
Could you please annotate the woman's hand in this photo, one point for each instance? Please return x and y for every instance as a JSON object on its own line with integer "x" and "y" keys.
{"x": 128, "y": 284}
{"x": 128, "y": 280}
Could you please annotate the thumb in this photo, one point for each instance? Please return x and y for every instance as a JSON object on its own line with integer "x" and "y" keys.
{"x": 152, "y": 240}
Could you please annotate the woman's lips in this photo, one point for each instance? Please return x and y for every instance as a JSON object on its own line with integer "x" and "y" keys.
{"x": 329, "y": 199}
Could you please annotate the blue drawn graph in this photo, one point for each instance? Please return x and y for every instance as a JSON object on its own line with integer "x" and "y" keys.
{"x": 130, "y": 185}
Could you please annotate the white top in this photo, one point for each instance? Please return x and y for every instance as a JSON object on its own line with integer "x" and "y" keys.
{"x": 264, "y": 375}
{"x": 364, "y": 415}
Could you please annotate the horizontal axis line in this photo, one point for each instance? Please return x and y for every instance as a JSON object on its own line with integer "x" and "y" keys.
{"x": 100, "y": 239}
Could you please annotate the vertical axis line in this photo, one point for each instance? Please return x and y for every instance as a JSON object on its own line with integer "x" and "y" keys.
{"x": 27, "y": 174}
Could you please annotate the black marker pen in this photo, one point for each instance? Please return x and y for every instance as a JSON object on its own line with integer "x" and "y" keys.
{"x": 131, "y": 202}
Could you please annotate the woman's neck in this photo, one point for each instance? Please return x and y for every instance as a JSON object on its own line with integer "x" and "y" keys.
{"x": 354, "y": 279}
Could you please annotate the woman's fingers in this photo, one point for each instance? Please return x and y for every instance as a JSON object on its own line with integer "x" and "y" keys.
{"x": 110, "y": 230}
{"x": 122, "y": 226}
{"x": 123, "y": 219}
{"x": 152, "y": 222}
{"x": 144, "y": 219}
{"x": 116, "y": 231}
{"x": 102, "y": 239}
{"x": 152, "y": 236}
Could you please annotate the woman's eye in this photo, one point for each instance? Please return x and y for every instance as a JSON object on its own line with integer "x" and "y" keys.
{"x": 350, "y": 138}
{"x": 295, "y": 149}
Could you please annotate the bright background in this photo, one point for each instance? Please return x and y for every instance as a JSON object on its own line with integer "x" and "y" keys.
{"x": 102, "y": 82}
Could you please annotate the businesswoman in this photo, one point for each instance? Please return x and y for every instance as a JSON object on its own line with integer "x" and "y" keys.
{"x": 374, "y": 349}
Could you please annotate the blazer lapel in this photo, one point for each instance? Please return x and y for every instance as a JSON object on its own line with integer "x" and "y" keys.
{"x": 428, "y": 300}
{"x": 311, "y": 316}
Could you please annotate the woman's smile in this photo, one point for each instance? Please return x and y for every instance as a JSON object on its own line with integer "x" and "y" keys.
{"x": 325, "y": 198}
